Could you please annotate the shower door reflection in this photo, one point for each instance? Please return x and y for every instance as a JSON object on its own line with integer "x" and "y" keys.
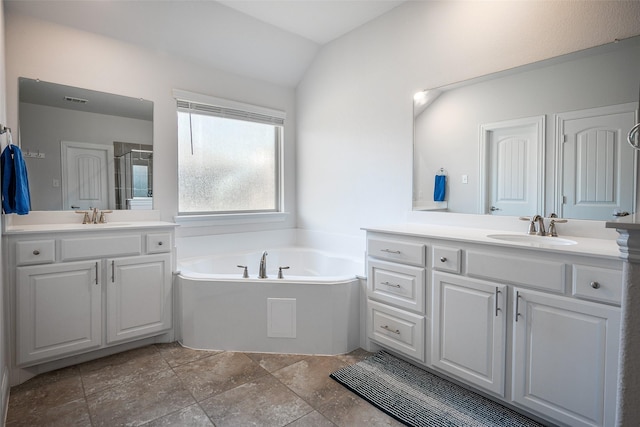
{"x": 134, "y": 179}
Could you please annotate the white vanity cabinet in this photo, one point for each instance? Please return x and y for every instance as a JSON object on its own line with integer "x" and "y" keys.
{"x": 565, "y": 357}
{"x": 138, "y": 296}
{"x": 58, "y": 310}
{"x": 78, "y": 291}
{"x": 534, "y": 327}
{"x": 470, "y": 330}
{"x": 396, "y": 291}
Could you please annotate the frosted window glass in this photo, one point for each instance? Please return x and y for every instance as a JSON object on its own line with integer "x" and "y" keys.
{"x": 233, "y": 167}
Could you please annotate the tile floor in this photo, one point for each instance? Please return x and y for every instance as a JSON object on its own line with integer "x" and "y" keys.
{"x": 168, "y": 385}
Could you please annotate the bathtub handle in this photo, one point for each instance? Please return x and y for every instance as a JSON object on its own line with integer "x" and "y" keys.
{"x": 386, "y": 328}
{"x": 390, "y": 251}
{"x": 390, "y": 284}
{"x": 280, "y": 276}
{"x": 245, "y": 273}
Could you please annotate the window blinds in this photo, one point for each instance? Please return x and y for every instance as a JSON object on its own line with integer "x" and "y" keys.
{"x": 202, "y": 104}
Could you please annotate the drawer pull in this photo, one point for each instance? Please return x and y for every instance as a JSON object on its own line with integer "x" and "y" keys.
{"x": 390, "y": 284}
{"x": 160, "y": 243}
{"x": 390, "y": 251}
{"x": 443, "y": 259}
{"x": 386, "y": 328}
{"x": 36, "y": 252}
{"x": 595, "y": 285}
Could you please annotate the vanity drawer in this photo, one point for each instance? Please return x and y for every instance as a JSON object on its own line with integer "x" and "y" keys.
{"x": 535, "y": 273}
{"x": 35, "y": 252}
{"x": 397, "y": 284}
{"x": 158, "y": 243}
{"x": 597, "y": 283}
{"x": 446, "y": 259}
{"x": 96, "y": 247}
{"x": 397, "y": 250}
{"x": 396, "y": 329}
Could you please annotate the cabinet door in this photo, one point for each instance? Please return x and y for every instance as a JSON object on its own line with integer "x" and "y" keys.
{"x": 469, "y": 330}
{"x": 58, "y": 310}
{"x": 565, "y": 358}
{"x": 138, "y": 297}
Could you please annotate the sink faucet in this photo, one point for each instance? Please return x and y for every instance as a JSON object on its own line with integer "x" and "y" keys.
{"x": 262, "y": 271}
{"x": 94, "y": 216}
{"x": 540, "y": 220}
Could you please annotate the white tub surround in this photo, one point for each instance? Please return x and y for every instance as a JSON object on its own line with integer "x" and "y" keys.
{"x": 628, "y": 412}
{"x": 81, "y": 291}
{"x": 527, "y": 320}
{"x": 312, "y": 309}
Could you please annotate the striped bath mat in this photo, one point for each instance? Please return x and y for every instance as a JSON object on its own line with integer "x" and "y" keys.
{"x": 416, "y": 397}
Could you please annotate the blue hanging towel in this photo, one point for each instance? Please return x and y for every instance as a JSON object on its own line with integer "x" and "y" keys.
{"x": 440, "y": 188}
{"x": 15, "y": 184}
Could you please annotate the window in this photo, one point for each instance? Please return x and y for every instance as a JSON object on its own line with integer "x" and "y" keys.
{"x": 228, "y": 157}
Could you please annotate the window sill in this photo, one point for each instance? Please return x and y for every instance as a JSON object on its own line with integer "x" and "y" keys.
{"x": 229, "y": 219}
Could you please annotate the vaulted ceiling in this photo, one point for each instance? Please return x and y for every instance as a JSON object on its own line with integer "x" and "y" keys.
{"x": 271, "y": 40}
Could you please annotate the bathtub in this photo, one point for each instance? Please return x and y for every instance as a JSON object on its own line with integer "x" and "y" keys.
{"x": 313, "y": 309}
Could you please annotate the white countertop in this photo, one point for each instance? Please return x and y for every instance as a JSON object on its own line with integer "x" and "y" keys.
{"x": 60, "y": 228}
{"x": 606, "y": 248}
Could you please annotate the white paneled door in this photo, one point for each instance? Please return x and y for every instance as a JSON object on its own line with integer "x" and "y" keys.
{"x": 598, "y": 166}
{"x": 511, "y": 166}
{"x": 87, "y": 176}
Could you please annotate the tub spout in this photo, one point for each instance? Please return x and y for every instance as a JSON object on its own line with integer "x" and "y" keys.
{"x": 262, "y": 271}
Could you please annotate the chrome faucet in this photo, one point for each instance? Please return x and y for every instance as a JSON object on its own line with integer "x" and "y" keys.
{"x": 262, "y": 271}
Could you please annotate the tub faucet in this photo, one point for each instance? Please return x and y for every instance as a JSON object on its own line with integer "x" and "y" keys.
{"x": 262, "y": 271}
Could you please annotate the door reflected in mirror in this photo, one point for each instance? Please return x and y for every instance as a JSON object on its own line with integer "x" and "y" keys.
{"x": 542, "y": 138}
{"x": 76, "y": 143}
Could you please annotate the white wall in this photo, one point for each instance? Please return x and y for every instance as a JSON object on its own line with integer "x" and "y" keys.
{"x": 49, "y": 52}
{"x": 355, "y": 101}
{"x": 4, "y": 335}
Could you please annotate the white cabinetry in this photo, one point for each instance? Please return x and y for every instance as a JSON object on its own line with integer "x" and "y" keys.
{"x": 396, "y": 295}
{"x": 536, "y": 328}
{"x": 58, "y": 309}
{"x": 470, "y": 330}
{"x": 138, "y": 297}
{"x": 81, "y": 291}
{"x": 565, "y": 358}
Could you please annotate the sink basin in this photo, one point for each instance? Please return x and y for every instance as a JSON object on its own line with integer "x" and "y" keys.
{"x": 532, "y": 239}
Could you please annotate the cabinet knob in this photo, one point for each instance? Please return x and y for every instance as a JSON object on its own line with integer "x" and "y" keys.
{"x": 36, "y": 252}
{"x": 443, "y": 259}
{"x": 595, "y": 285}
{"x": 160, "y": 243}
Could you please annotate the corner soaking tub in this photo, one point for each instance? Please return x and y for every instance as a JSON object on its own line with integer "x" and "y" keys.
{"x": 313, "y": 309}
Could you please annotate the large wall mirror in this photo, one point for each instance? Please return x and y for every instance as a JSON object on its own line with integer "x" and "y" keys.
{"x": 85, "y": 148}
{"x": 542, "y": 138}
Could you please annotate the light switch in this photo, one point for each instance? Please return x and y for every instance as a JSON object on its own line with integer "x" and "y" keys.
{"x": 56, "y": 183}
{"x": 465, "y": 179}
